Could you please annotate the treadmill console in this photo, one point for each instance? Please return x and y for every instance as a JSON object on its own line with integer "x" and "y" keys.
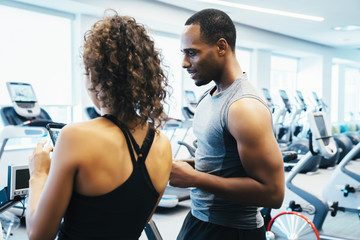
{"x": 17, "y": 186}
{"x": 300, "y": 97}
{"x": 316, "y": 97}
{"x": 267, "y": 94}
{"x": 18, "y": 181}
{"x": 285, "y": 99}
{"x": 269, "y": 101}
{"x": 322, "y": 134}
{"x": 23, "y": 97}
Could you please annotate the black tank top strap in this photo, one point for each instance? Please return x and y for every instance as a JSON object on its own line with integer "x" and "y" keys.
{"x": 132, "y": 155}
{"x": 123, "y": 129}
{"x": 145, "y": 147}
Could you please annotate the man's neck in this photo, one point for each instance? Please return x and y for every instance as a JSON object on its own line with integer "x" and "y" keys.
{"x": 229, "y": 76}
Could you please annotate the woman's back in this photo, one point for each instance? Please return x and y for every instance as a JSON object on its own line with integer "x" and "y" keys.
{"x": 111, "y": 197}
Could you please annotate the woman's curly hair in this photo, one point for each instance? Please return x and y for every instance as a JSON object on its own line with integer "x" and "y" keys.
{"x": 127, "y": 76}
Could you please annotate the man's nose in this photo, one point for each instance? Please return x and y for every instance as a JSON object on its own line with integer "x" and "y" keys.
{"x": 186, "y": 63}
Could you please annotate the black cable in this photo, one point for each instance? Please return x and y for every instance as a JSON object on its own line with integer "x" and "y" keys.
{"x": 23, "y": 212}
{"x": 311, "y": 145}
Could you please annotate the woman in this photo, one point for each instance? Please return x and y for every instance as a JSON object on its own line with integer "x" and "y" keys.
{"x": 107, "y": 175}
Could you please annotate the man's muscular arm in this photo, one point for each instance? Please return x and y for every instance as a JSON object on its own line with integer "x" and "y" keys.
{"x": 249, "y": 122}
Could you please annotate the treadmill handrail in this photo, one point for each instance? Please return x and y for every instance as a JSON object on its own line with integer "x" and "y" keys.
{"x": 9, "y": 132}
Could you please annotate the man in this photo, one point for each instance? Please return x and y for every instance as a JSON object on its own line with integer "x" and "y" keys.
{"x": 238, "y": 163}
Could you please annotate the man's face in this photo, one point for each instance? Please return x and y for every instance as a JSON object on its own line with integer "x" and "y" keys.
{"x": 200, "y": 59}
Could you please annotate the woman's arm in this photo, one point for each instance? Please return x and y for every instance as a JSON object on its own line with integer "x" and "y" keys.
{"x": 160, "y": 172}
{"x": 51, "y": 184}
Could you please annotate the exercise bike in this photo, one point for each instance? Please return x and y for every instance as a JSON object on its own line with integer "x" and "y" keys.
{"x": 344, "y": 185}
{"x": 291, "y": 224}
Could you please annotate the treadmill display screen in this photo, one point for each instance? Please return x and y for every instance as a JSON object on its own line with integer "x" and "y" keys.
{"x": 266, "y": 93}
{"x": 301, "y": 97}
{"x": 285, "y": 99}
{"x": 320, "y": 123}
{"x": 283, "y": 95}
{"x": 315, "y": 97}
{"x": 21, "y": 92}
{"x": 22, "y": 179}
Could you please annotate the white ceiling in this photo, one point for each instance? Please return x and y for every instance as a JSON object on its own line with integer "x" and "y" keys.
{"x": 335, "y": 13}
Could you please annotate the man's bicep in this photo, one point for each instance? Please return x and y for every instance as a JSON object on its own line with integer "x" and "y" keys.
{"x": 250, "y": 124}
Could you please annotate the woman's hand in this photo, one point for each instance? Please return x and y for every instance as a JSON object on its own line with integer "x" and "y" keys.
{"x": 39, "y": 161}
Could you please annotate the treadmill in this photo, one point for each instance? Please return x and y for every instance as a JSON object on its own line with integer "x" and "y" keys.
{"x": 25, "y": 110}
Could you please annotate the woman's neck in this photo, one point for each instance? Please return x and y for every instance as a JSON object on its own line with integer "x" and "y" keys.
{"x": 133, "y": 124}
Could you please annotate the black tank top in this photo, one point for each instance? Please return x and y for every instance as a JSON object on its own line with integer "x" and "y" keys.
{"x": 121, "y": 213}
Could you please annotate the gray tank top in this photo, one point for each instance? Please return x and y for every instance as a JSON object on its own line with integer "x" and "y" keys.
{"x": 217, "y": 154}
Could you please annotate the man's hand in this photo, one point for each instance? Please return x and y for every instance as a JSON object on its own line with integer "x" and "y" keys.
{"x": 189, "y": 161}
{"x": 182, "y": 174}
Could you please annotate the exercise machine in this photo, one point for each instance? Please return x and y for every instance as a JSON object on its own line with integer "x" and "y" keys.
{"x": 320, "y": 106}
{"x": 17, "y": 175}
{"x": 25, "y": 119}
{"x": 25, "y": 109}
{"x": 343, "y": 141}
{"x": 293, "y": 143}
{"x": 291, "y": 224}
{"x": 188, "y": 112}
{"x": 269, "y": 100}
{"x": 191, "y": 103}
{"x": 13, "y": 194}
{"x": 344, "y": 184}
{"x": 294, "y": 127}
{"x": 283, "y": 132}
{"x": 325, "y": 162}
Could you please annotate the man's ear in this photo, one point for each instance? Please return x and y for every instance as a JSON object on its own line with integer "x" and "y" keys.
{"x": 222, "y": 46}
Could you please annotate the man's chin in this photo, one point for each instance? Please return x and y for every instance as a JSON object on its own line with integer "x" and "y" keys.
{"x": 200, "y": 82}
{"x": 197, "y": 83}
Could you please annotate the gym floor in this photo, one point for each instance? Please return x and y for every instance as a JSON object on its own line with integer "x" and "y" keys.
{"x": 169, "y": 221}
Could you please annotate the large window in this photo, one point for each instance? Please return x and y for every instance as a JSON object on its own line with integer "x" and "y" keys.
{"x": 283, "y": 76}
{"x": 351, "y": 94}
{"x": 35, "y": 47}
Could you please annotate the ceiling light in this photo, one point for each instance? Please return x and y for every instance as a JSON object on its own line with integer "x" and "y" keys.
{"x": 264, "y": 10}
{"x": 347, "y": 28}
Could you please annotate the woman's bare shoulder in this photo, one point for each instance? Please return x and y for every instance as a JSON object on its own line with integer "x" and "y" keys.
{"x": 74, "y": 129}
{"x": 82, "y": 133}
{"x": 162, "y": 141}
{"x": 162, "y": 148}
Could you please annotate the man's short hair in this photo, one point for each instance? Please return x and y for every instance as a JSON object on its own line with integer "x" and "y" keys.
{"x": 214, "y": 24}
